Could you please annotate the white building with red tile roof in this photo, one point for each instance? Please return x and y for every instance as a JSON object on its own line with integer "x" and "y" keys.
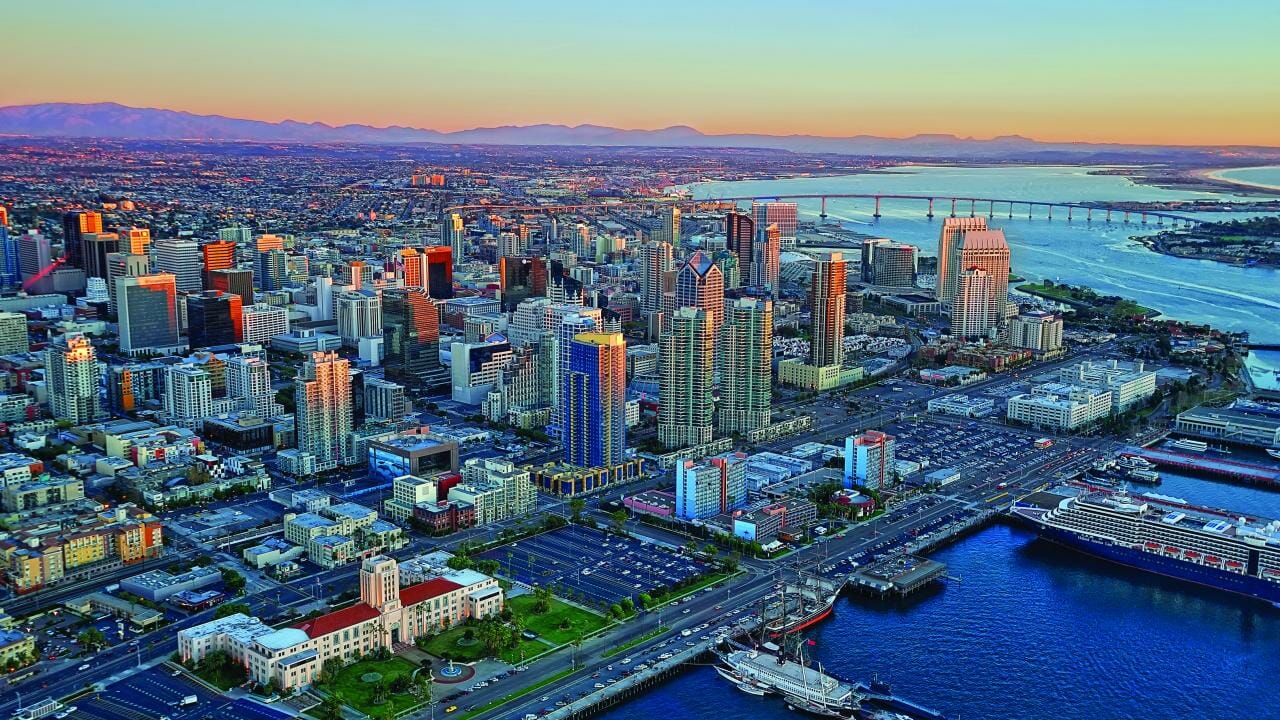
{"x": 386, "y": 615}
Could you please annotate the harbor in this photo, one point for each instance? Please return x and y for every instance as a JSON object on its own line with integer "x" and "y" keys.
{"x": 1209, "y": 465}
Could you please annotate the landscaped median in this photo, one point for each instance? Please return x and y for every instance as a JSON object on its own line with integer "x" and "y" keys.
{"x": 619, "y": 649}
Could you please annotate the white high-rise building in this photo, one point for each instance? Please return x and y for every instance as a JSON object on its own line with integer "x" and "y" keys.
{"x": 686, "y": 368}
{"x": 181, "y": 258}
{"x": 188, "y": 396}
{"x": 249, "y": 382}
{"x": 359, "y": 316}
{"x": 1036, "y": 330}
{"x": 263, "y": 322}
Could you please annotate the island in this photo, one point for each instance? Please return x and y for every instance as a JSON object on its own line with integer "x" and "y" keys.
{"x": 1251, "y": 242}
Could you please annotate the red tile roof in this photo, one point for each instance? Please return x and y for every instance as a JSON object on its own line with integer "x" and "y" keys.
{"x": 337, "y": 620}
{"x": 421, "y": 592}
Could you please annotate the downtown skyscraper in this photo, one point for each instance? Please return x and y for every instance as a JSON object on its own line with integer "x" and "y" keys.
{"x": 739, "y": 239}
{"x": 71, "y": 372}
{"x": 783, "y": 214}
{"x": 765, "y": 262}
{"x": 826, "y": 304}
{"x": 410, "y": 324}
{"x": 700, "y": 284}
{"x": 686, "y": 371}
{"x": 656, "y": 260}
{"x": 746, "y": 366}
{"x": 322, "y": 395}
{"x": 594, "y": 400}
{"x": 966, "y": 242}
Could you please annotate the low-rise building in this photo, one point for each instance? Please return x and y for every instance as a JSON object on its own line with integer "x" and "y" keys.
{"x": 41, "y": 492}
{"x": 37, "y": 558}
{"x": 158, "y": 585}
{"x": 386, "y": 615}
{"x": 1130, "y": 384}
{"x": 962, "y": 406}
{"x": 1060, "y": 407}
{"x": 763, "y": 524}
{"x": 1235, "y": 425}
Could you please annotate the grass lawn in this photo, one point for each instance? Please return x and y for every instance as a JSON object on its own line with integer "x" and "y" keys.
{"x": 530, "y": 648}
{"x": 359, "y": 694}
{"x": 445, "y": 645}
{"x": 549, "y": 624}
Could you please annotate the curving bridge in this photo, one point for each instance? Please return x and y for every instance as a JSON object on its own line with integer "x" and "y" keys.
{"x": 993, "y": 206}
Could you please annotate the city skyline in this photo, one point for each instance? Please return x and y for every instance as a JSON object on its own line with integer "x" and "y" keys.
{"x": 1034, "y": 72}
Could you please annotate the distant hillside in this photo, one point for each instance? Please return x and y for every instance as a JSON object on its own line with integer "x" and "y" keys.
{"x": 118, "y": 121}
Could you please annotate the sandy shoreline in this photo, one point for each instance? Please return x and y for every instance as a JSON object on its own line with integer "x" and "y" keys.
{"x": 1216, "y": 175}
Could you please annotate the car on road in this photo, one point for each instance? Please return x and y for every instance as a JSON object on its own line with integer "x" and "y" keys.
{"x": 451, "y": 708}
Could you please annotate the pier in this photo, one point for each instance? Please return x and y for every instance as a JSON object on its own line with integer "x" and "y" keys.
{"x": 895, "y": 577}
{"x": 1208, "y": 465}
{"x": 627, "y": 688}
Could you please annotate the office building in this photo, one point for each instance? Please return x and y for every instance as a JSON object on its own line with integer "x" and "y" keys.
{"x": 765, "y": 262}
{"x": 826, "y": 305}
{"x": 1130, "y": 384}
{"x": 869, "y": 247}
{"x": 668, "y": 226}
{"x": 384, "y": 400}
{"x": 322, "y": 396}
{"x": 685, "y": 375}
{"x": 261, "y": 322}
{"x": 74, "y": 226}
{"x": 453, "y": 235}
{"x": 869, "y": 460}
{"x": 72, "y": 378}
{"x": 439, "y": 271}
{"x": 182, "y": 259}
{"x": 477, "y": 368}
{"x": 746, "y": 374}
{"x": 10, "y": 275}
{"x": 593, "y": 400}
{"x": 119, "y": 265}
{"x": 656, "y": 260}
{"x": 740, "y": 238}
{"x": 520, "y": 278}
{"x": 134, "y": 241}
{"x": 410, "y": 331}
{"x": 700, "y": 284}
{"x": 237, "y": 282}
{"x": 35, "y": 255}
{"x": 148, "y": 314}
{"x": 219, "y": 255}
{"x": 95, "y": 247}
{"x": 783, "y": 214}
{"x": 13, "y": 333}
{"x": 214, "y": 318}
{"x": 359, "y": 314}
{"x": 1060, "y": 407}
{"x": 893, "y": 265}
{"x": 1036, "y": 330}
{"x": 973, "y": 306}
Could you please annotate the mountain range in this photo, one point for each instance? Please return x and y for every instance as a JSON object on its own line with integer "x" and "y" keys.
{"x": 112, "y": 120}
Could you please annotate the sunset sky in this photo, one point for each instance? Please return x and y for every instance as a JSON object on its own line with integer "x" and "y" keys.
{"x": 1159, "y": 72}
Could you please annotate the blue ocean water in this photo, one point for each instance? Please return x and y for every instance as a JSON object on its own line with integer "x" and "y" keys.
{"x": 1267, "y": 175}
{"x": 1034, "y": 631}
{"x": 1100, "y": 255}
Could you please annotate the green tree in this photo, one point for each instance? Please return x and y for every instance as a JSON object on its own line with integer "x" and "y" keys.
{"x": 233, "y": 581}
{"x": 576, "y": 505}
{"x": 91, "y": 638}
{"x": 331, "y": 707}
{"x": 618, "y": 521}
{"x": 541, "y": 599}
{"x": 226, "y": 609}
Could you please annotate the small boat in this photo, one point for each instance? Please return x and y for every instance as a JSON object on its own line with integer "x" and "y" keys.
{"x": 1198, "y": 446}
{"x": 1274, "y": 452}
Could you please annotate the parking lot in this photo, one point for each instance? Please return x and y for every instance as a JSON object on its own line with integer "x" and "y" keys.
{"x": 591, "y": 566}
{"x": 977, "y": 450}
{"x": 155, "y": 694}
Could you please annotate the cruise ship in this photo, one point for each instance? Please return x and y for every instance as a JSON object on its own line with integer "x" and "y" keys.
{"x": 1182, "y": 541}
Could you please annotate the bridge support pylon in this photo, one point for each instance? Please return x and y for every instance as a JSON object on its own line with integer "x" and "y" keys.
{"x": 930, "y": 215}
{"x": 877, "y": 213}
{"x": 1050, "y": 212}
{"x": 822, "y": 214}
{"x": 1144, "y": 218}
{"x": 1069, "y": 209}
{"x": 971, "y": 208}
{"x": 953, "y": 207}
{"x": 991, "y": 208}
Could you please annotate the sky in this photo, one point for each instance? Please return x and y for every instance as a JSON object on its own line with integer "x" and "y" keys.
{"x": 1154, "y": 71}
